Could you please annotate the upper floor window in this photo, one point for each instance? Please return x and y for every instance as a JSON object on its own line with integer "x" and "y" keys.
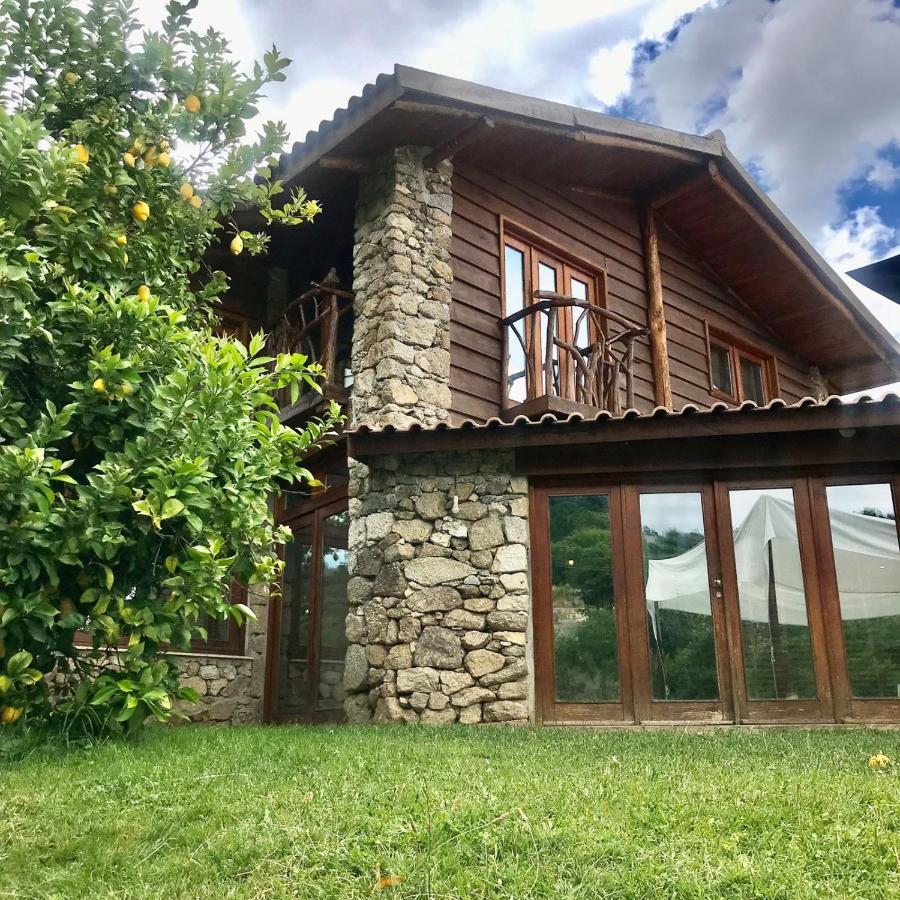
{"x": 561, "y": 336}
{"x": 738, "y": 372}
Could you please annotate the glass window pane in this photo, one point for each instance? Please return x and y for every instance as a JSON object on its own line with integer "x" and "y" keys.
{"x": 579, "y": 291}
{"x": 679, "y": 607}
{"x": 720, "y": 361}
{"x": 752, "y": 381}
{"x": 514, "y": 272}
{"x": 293, "y": 672}
{"x": 584, "y": 611}
{"x": 778, "y": 661}
{"x": 546, "y": 277}
{"x": 333, "y": 636}
{"x": 867, "y": 561}
{"x": 547, "y": 282}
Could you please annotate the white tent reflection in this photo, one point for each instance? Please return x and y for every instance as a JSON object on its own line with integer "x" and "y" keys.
{"x": 769, "y": 572}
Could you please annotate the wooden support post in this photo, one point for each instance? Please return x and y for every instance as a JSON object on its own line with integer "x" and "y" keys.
{"x": 656, "y": 317}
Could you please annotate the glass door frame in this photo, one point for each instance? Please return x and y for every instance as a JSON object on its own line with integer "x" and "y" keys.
{"x": 749, "y": 711}
{"x": 647, "y": 709}
{"x": 847, "y": 708}
{"x": 549, "y": 710}
{"x": 313, "y": 514}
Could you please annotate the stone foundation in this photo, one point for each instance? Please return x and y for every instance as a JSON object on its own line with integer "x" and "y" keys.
{"x": 439, "y": 593}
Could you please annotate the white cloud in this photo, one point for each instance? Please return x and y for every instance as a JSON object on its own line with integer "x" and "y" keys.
{"x": 802, "y": 87}
{"x": 858, "y": 240}
{"x": 883, "y": 174}
{"x": 611, "y": 72}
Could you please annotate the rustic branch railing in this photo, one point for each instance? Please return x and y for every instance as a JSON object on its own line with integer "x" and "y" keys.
{"x": 311, "y": 324}
{"x": 570, "y": 351}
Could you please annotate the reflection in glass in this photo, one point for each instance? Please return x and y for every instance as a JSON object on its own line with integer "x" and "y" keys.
{"x": 584, "y": 614}
{"x": 867, "y": 562}
{"x": 752, "y": 381}
{"x": 580, "y": 292}
{"x": 514, "y": 277}
{"x": 547, "y": 282}
{"x": 720, "y": 362}
{"x": 679, "y": 608}
{"x": 333, "y": 637}
{"x": 778, "y": 660}
{"x": 293, "y": 669}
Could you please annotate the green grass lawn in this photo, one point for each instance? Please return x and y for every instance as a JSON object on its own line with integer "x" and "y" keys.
{"x": 460, "y": 813}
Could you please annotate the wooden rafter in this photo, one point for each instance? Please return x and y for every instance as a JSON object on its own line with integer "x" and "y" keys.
{"x": 792, "y": 255}
{"x": 672, "y": 190}
{"x": 461, "y": 139}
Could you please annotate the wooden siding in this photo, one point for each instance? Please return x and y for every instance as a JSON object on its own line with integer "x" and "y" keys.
{"x": 602, "y": 235}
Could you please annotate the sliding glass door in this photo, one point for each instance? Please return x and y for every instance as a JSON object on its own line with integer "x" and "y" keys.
{"x": 761, "y": 601}
{"x": 773, "y": 603}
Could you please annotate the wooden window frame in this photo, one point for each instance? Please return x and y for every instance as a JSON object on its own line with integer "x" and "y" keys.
{"x": 535, "y": 250}
{"x": 738, "y": 350}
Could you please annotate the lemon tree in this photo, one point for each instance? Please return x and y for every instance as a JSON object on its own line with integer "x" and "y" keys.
{"x": 138, "y": 451}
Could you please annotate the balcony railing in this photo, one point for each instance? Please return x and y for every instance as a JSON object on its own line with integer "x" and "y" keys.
{"x": 563, "y": 354}
{"x": 319, "y": 324}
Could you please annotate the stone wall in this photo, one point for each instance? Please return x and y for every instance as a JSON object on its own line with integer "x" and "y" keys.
{"x": 402, "y": 279}
{"x": 231, "y": 687}
{"x": 439, "y": 597}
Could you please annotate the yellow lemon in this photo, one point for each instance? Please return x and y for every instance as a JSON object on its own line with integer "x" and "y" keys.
{"x": 236, "y": 245}
{"x": 110, "y": 189}
{"x": 125, "y": 389}
{"x": 196, "y": 202}
{"x": 72, "y": 77}
{"x": 141, "y": 211}
{"x": 151, "y": 157}
{"x": 10, "y": 714}
{"x": 99, "y": 386}
{"x": 186, "y": 191}
{"x": 192, "y": 103}
{"x": 164, "y": 146}
{"x": 81, "y": 154}
{"x": 164, "y": 159}
{"x": 128, "y": 159}
{"x": 121, "y": 239}
{"x": 143, "y": 293}
{"x": 5, "y": 683}
{"x": 125, "y": 259}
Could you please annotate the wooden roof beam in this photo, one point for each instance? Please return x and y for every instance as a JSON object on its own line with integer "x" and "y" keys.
{"x": 673, "y": 190}
{"x": 461, "y": 139}
{"x": 345, "y": 164}
{"x": 630, "y": 143}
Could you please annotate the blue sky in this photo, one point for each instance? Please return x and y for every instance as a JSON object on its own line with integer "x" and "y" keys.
{"x": 806, "y": 91}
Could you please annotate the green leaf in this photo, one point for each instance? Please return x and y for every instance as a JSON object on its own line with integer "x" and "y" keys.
{"x": 171, "y": 507}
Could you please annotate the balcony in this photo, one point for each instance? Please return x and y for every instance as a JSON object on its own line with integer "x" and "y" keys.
{"x": 564, "y": 355}
{"x": 319, "y": 324}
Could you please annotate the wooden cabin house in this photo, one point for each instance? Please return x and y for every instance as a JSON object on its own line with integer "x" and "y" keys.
{"x": 596, "y": 470}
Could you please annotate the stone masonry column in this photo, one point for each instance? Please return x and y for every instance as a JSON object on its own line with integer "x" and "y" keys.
{"x": 402, "y": 279}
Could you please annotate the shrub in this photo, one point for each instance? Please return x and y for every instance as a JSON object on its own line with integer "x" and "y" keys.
{"x": 138, "y": 450}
